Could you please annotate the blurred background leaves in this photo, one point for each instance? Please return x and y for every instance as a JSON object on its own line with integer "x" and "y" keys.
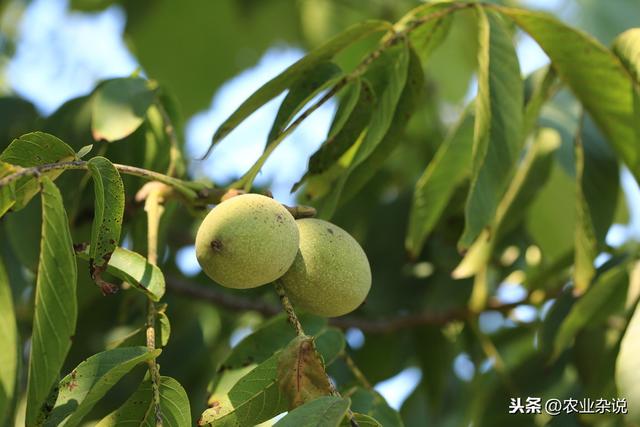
{"x": 453, "y": 372}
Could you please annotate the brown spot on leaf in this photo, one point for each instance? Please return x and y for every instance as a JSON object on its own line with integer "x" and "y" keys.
{"x": 216, "y": 406}
{"x": 72, "y": 382}
{"x": 80, "y": 247}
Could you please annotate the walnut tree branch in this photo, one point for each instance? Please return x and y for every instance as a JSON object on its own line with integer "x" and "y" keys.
{"x": 384, "y": 325}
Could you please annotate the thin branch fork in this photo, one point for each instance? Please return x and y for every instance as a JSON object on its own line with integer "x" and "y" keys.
{"x": 376, "y": 326}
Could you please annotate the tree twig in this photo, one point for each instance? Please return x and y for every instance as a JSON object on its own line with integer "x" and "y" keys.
{"x": 186, "y": 188}
{"x": 219, "y": 298}
{"x": 384, "y": 325}
{"x": 154, "y": 207}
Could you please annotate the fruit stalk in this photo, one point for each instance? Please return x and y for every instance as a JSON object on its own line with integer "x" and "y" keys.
{"x": 288, "y": 308}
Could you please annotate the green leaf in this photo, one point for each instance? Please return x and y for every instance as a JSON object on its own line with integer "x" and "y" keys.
{"x": 593, "y": 348}
{"x": 531, "y": 174}
{"x": 138, "y": 409}
{"x": 346, "y": 135}
{"x": 165, "y": 329}
{"x": 498, "y": 135}
{"x": 301, "y": 372}
{"x": 387, "y": 76}
{"x": 119, "y": 107}
{"x": 17, "y": 116}
{"x": 10, "y": 344}
{"x": 435, "y": 364}
{"x": 428, "y": 36}
{"x": 448, "y": 168}
{"x": 108, "y": 212}
{"x": 320, "y": 181}
{"x": 23, "y": 232}
{"x": 362, "y": 420}
{"x": 295, "y": 73}
{"x": 56, "y": 308}
{"x": 7, "y": 191}
{"x": 594, "y": 74}
{"x": 300, "y": 93}
{"x": 553, "y": 319}
{"x": 599, "y": 301}
{"x": 91, "y": 380}
{"x": 271, "y": 336}
{"x": 370, "y": 402}
{"x": 84, "y": 151}
{"x": 255, "y": 398}
{"x": 327, "y": 411}
{"x": 133, "y": 338}
{"x": 627, "y": 47}
{"x": 34, "y": 149}
{"x": 598, "y": 182}
{"x": 410, "y": 100}
{"x": 539, "y": 87}
{"x": 134, "y": 269}
{"x": 330, "y": 343}
{"x": 550, "y": 224}
{"x": 628, "y": 368}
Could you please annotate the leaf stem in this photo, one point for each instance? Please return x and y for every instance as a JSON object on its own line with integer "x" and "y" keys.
{"x": 175, "y": 154}
{"x": 492, "y": 353}
{"x": 154, "y": 208}
{"x": 355, "y": 371}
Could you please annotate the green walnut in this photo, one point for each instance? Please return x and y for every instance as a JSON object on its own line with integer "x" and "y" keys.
{"x": 330, "y": 275}
{"x": 247, "y": 241}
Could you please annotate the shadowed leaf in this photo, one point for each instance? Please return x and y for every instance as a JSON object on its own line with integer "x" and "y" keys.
{"x": 498, "y": 137}
{"x": 434, "y": 189}
{"x": 34, "y": 149}
{"x": 9, "y": 340}
{"x": 56, "y": 310}
{"x": 290, "y": 76}
{"x": 628, "y": 367}
{"x": 138, "y": 409}
{"x": 594, "y": 74}
{"x": 108, "y": 211}
{"x": 119, "y": 107}
{"x": 90, "y": 380}
{"x": 255, "y": 398}
{"x": 326, "y": 411}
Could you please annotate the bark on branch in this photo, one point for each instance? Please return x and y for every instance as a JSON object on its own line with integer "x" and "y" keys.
{"x": 224, "y": 300}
